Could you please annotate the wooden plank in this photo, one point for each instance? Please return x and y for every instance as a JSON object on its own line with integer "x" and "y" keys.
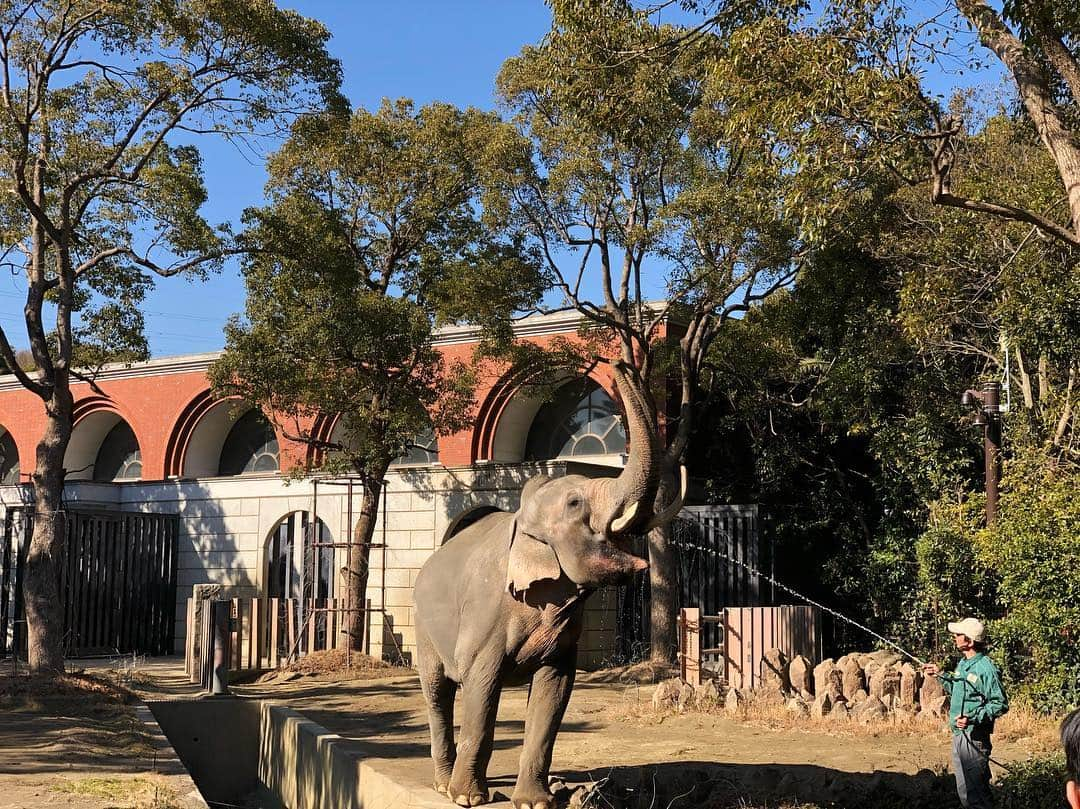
{"x": 312, "y": 625}
{"x": 236, "y": 633}
{"x": 251, "y": 653}
{"x": 690, "y": 645}
{"x": 274, "y": 636}
{"x": 189, "y": 636}
{"x": 290, "y": 629}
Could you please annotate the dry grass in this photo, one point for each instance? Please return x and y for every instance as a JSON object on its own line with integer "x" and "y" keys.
{"x": 128, "y": 793}
{"x": 331, "y": 665}
{"x": 1037, "y": 732}
{"x": 79, "y": 693}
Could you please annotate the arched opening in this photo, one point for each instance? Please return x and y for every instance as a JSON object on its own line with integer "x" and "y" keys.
{"x": 119, "y": 457}
{"x": 423, "y": 449}
{"x": 467, "y": 518}
{"x": 251, "y": 446}
{"x": 581, "y": 421}
{"x": 9, "y": 459}
{"x": 103, "y": 448}
{"x": 295, "y": 566}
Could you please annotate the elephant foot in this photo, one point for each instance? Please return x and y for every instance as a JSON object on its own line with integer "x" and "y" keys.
{"x": 532, "y": 796}
{"x": 441, "y": 784}
{"x": 467, "y": 794}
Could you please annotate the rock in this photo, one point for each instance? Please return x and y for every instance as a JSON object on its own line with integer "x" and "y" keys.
{"x": 903, "y": 714}
{"x": 774, "y": 671}
{"x": 797, "y": 706}
{"x": 828, "y": 679}
{"x": 936, "y": 709}
{"x": 871, "y": 711}
{"x": 931, "y": 690}
{"x": 579, "y": 798}
{"x": 859, "y": 696}
{"x": 885, "y": 683}
{"x": 851, "y": 677}
{"x": 869, "y": 668}
{"x": 733, "y": 701}
{"x": 910, "y": 680}
{"x": 801, "y": 675}
{"x": 840, "y": 711}
{"x": 882, "y": 657}
{"x": 707, "y": 694}
{"x": 288, "y": 676}
{"x": 666, "y": 693}
{"x": 823, "y": 704}
{"x": 685, "y": 697}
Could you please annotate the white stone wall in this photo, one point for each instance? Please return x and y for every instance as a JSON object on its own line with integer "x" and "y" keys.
{"x": 225, "y": 524}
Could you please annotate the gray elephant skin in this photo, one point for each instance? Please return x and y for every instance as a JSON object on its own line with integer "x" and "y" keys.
{"x": 502, "y": 604}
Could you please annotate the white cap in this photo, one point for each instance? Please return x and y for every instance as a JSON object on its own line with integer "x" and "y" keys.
{"x": 972, "y": 627}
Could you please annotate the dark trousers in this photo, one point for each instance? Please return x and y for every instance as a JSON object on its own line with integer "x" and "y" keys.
{"x": 971, "y": 763}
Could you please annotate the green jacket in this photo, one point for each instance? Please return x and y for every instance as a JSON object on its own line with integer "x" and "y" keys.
{"x": 975, "y": 691}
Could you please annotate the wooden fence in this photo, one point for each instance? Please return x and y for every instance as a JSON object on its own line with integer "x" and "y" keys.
{"x": 266, "y": 633}
{"x": 745, "y": 633}
{"x": 117, "y": 581}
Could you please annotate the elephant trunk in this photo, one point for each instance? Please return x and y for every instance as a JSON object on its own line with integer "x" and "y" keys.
{"x": 628, "y": 498}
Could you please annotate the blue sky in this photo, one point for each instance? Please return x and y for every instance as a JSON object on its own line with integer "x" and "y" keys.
{"x": 427, "y": 50}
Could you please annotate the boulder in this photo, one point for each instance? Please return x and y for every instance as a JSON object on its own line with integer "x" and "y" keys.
{"x": 798, "y": 707}
{"x": 910, "y": 679}
{"x": 666, "y": 693}
{"x": 821, "y": 706}
{"x": 851, "y": 677}
{"x": 828, "y": 679}
{"x": 707, "y": 694}
{"x": 859, "y": 696}
{"x": 931, "y": 690}
{"x": 936, "y": 709}
{"x": 774, "y": 671}
{"x": 885, "y": 684}
{"x": 871, "y": 711}
{"x": 685, "y": 697}
{"x": 733, "y": 701}
{"x": 840, "y": 710}
{"x": 801, "y": 676}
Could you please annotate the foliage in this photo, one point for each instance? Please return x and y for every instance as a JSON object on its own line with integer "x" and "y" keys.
{"x": 1038, "y": 783}
{"x": 372, "y": 238}
{"x": 1033, "y": 549}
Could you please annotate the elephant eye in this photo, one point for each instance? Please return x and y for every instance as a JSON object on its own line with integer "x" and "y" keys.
{"x": 574, "y": 501}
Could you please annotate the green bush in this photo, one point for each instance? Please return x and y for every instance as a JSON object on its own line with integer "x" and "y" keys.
{"x": 1035, "y": 784}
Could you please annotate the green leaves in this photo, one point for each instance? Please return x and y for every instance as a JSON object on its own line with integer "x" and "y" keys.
{"x": 373, "y": 237}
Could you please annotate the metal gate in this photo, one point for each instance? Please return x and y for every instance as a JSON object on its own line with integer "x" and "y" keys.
{"x": 705, "y": 580}
{"x": 117, "y": 582}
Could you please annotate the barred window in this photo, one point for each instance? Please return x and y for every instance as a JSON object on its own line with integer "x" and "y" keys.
{"x": 250, "y": 446}
{"x": 582, "y": 420}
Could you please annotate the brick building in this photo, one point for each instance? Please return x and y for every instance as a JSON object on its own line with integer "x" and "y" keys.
{"x": 153, "y": 438}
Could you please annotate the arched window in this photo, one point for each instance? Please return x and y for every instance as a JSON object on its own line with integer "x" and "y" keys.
{"x": 250, "y": 446}
{"x": 296, "y": 570}
{"x": 9, "y": 460}
{"x": 119, "y": 457}
{"x": 425, "y": 450}
{"x": 582, "y": 420}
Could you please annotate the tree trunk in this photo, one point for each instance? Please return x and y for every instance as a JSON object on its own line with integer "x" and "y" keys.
{"x": 358, "y": 563}
{"x": 663, "y": 582}
{"x": 41, "y": 580}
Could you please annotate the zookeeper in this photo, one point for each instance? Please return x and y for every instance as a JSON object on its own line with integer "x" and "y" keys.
{"x": 976, "y": 700}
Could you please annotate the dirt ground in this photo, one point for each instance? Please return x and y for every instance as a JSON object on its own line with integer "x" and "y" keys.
{"x": 77, "y": 742}
{"x": 644, "y": 757}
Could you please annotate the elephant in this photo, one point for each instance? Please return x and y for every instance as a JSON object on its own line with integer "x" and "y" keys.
{"x": 502, "y": 604}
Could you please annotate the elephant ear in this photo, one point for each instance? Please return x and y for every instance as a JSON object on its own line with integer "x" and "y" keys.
{"x": 530, "y": 561}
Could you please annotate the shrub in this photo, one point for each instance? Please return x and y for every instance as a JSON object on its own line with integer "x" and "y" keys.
{"x": 1035, "y": 784}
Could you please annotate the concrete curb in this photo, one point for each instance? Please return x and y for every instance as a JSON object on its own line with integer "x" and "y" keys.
{"x": 166, "y": 762}
{"x": 313, "y": 769}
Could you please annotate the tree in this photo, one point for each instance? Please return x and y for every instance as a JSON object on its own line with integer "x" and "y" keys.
{"x": 97, "y": 101}
{"x": 371, "y": 239}
{"x": 649, "y": 179}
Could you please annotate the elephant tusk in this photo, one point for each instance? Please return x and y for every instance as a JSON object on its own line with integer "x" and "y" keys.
{"x": 674, "y": 507}
{"x": 619, "y": 524}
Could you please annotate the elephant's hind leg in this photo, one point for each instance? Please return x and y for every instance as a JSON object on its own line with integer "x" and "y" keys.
{"x": 439, "y": 691}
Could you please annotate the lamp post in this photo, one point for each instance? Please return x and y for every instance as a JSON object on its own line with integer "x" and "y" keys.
{"x": 987, "y": 402}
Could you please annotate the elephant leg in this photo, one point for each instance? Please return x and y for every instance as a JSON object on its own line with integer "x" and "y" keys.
{"x": 549, "y": 694}
{"x": 439, "y": 691}
{"x": 480, "y": 704}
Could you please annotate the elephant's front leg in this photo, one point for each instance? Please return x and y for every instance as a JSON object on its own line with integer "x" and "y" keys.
{"x": 548, "y": 697}
{"x": 480, "y": 704}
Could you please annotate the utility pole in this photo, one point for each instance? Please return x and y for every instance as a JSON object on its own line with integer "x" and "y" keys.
{"x": 987, "y": 400}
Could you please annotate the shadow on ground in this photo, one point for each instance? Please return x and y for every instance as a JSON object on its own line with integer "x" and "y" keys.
{"x": 717, "y": 785}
